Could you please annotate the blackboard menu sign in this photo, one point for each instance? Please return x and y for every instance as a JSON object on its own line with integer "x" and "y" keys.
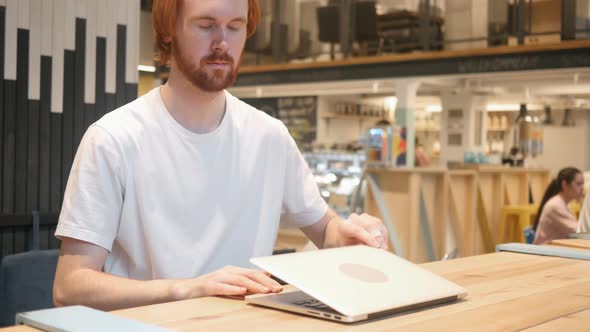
{"x": 297, "y": 113}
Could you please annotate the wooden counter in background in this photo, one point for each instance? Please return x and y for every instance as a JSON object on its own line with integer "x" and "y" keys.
{"x": 462, "y": 199}
{"x": 406, "y": 192}
{"x": 498, "y": 186}
{"x": 461, "y": 207}
{"x": 423, "y": 203}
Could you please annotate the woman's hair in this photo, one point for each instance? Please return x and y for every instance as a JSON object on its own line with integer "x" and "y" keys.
{"x": 165, "y": 14}
{"x": 567, "y": 174}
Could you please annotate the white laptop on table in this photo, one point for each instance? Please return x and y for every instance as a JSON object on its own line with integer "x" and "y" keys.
{"x": 352, "y": 284}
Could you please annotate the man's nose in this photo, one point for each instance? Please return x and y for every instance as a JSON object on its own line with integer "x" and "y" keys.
{"x": 219, "y": 42}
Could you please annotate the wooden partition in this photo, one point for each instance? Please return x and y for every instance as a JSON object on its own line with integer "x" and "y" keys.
{"x": 462, "y": 200}
{"x": 416, "y": 202}
{"x": 422, "y": 203}
{"x": 499, "y": 186}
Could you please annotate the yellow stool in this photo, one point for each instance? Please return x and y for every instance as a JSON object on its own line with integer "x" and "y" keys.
{"x": 574, "y": 207}
{"x": 515, "y": 218}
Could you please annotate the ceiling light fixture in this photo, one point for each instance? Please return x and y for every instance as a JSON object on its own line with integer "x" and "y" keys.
{"x": 390, "y": 103}
{"x": 375, "y": 87}
{"x": 511, "y": 107}
{"x": 149, "y": 69}
{"x": 433, "y": 108}
{"x": 502, "y": 107}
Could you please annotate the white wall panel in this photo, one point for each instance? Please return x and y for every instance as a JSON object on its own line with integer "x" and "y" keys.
{"x": 554, "y": 156}
{"x": 70, "y": 24}
{"x": 81, "y": 6}
{"x": 101, "y": 18}
{"x": 57, "y": 64}
{"x": 10, "y": 39}
{"x": 90, "y": 63}
{"x": 35, "y": 49}
{"x": 111, "y": 60}
{"x": 46, "y": 27}
{"x": 23, "y": 14}
{"x": 132, "y": 52}
{"x": 121, "y": 12}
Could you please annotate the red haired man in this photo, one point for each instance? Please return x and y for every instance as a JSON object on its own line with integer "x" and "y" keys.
{"x": 170, "y": 195}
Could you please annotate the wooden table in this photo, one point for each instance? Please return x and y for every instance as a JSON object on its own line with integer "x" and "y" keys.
{"x": 572, "y": 243}
{"x": 507, "y": 292}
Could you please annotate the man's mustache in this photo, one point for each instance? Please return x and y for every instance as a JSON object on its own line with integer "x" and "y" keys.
{"x": 218, "y": 57}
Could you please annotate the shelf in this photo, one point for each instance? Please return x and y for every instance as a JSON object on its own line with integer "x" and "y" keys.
{"x": 498, "y": 129}
{"x": 349, "y": 116}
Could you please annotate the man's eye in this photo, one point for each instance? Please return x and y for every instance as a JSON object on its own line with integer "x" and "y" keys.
{"x": 236, "y": 26}
{"x": 206, "y": 24}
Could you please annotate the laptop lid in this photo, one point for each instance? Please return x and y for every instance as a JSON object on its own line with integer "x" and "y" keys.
{"x": 81, "y": 319}
{"x": 359, "y": 280}
{"x": 581, "y": 235}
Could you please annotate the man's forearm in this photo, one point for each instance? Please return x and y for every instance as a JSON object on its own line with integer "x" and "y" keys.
{"x": 332, "y": 231}
{"x": 108, "y": 292}
{"x": 324, "y": 232}
{"x": 332, "y": 235}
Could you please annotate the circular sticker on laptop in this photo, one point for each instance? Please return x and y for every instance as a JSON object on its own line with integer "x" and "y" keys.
{"x": 363, "y": 273}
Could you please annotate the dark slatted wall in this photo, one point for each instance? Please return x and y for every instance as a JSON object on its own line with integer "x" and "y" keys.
{"x": 64, "y": 64}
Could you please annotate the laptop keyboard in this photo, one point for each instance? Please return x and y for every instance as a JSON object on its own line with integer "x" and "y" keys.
{"x": 315, "y": 304}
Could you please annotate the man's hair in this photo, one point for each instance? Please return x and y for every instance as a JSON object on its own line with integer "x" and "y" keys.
{"x": 165, "y": 14}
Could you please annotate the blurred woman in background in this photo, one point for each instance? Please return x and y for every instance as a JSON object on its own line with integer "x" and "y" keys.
{"x": 554, "y": 219}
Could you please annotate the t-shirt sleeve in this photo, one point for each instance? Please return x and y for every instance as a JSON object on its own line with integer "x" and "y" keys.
{"x": 584, "y": 221}
{"x": 562, "y": 220}
{"x": 302, "y": 203}
{"x": 94, "y": 194}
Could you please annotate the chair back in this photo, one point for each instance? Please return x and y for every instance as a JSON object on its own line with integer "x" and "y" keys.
{"x": 26, "y": 281}
{"x": 26, "y": 278}
{"x": 529, "y": 234}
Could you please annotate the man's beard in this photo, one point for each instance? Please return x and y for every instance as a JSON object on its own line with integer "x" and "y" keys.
{"x": 210, "y": 81}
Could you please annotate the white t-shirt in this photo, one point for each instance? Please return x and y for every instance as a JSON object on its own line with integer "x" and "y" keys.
{"x": 556, "y": 221}
{"x": 169, "y": 203}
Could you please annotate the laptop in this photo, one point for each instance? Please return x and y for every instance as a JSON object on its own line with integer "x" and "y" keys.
{"x": 352, "y": 284}
{"x": 81, "y": 319}
{"x": 582, "y": 235}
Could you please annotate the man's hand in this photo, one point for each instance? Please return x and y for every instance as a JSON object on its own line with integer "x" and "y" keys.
{"x": 332, "y": 231}
{"x": 79, "y": 280}
{"x": 363, "y": 229}
{"x": 228, "y": 281}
